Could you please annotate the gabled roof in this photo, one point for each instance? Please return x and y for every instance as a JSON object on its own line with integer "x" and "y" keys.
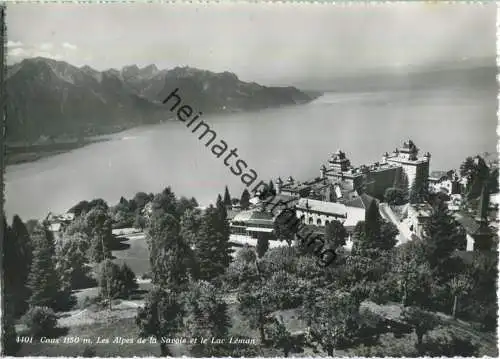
{"x": 253, "y": 217}
{"x": 469, "y": 224}
{"x": 362, "y": 201}
{"x": 231, "y": 213}
{"x": 278, "y": 199}
{"x": 321, "y": 206}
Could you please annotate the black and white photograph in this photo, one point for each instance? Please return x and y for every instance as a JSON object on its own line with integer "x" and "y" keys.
{"x": 249, "y": 179}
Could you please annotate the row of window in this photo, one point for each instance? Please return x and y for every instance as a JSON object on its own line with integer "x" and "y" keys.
{"x": 258, "y": 225}
{"x": 310, "y": 220}
{"x": 238, "y": 230}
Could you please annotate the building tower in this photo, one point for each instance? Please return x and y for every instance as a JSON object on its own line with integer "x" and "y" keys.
{"x": 415, "y": 168}
{"x": 339, "y": 162}
{"x": 323, "y": 172}
{"x": 278, "y": 184}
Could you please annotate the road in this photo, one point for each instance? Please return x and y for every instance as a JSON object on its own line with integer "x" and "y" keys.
{"x": 404, "y": 232}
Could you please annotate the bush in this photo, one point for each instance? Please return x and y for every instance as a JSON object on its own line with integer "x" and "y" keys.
{"x": 246, "y": 254}
{"x": 64, "y": 301}
{"x": 89, "y": 301}
{"x": 127, "y": 277}
{"x": 89, "y": 352}
{"x": 139, "y": 222}
{"x": 395, "y": 196}
{"x": 449, "y": 344}
{"x": 285, "y": 291}
{"x": 120, "y": 281}
{"x": 388, "y": 348}
{"x": 239, "y": 273}
{"x": 387, "y": 290}
{"x": 146, "y": 275}
{"x": 280, "y": 258}
{"x": 41, "y": 321}
{"x": 308, "y": 268}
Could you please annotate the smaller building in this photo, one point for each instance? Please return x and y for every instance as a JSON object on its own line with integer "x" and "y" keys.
{"x": 418, "y": 215}
{"x": 455, "y": 203}
{"x": 253, "y": 223}
{"x": 277, "y": 203}
{"x": 57, "y": 223}
{"x": 292, "y": 187}
{"x": 494, "y": 201}
{"x": 319, "y": 213}
{"x": 444, "y": 182}
{"x": 479, "y": 234}
{"x": 361, "y": 201}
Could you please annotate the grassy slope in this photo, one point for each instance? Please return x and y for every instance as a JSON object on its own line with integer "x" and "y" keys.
{"x": 136, "y": 255}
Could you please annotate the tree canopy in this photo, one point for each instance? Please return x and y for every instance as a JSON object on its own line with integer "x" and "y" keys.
{"x": 171, "y": 258}
{"x": 43, "y": 279}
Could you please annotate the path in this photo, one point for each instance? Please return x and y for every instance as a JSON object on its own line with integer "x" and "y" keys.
{"x": 404, "y": 232}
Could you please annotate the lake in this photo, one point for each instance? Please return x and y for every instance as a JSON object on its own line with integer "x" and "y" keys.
{"x": 449, "y": 123}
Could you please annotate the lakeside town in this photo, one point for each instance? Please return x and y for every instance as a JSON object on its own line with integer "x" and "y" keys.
{"x": 344, "y": 193}
{"x": 410, "y": 243}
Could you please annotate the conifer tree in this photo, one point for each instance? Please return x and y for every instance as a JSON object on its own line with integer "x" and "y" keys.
{"x": 286, "y": 225}
{"x": 9, "y": 300}
{"x": 442, "y": 236}
{"x": 10, "y": 346}
{"x": 222, "y": 224}
{"x": 190, "y": 226}
{"x": 213, "y": 251}
{"x": 98, "y": 226}
{"x": 373, "y": 222}
{"x": 262, "y": 246}
{"x": 166, "y": 202}
{"x": 16, "y": 263}
{"x": 170, "y": 257}
{"x": 245, "y": 199}
{"x": 335, "y": 234}
{"x": 23, "y": 240}
{"x": 227, "y": 197}
{"x": 71, "y": 261}
{"x": 272, "y": 189}
{"x": 374, "y": 233}
{"x": 184, "y": 204}
{"x": 219, "y": 203}
{"x": 43, "y": 278}
{"x": 116, "y": 281}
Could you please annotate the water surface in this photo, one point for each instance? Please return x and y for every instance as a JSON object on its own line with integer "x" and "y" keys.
{"x": 449, "y": 123}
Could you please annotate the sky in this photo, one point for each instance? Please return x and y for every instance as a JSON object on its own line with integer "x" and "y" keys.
{"x": 269, "y": 43}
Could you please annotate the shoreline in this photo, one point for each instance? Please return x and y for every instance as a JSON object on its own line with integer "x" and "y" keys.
{"x": 21, "y": 154}
{"x": 16, "y": 155}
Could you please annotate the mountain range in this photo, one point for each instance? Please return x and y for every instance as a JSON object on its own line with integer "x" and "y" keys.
{"x": 49, "y": 98}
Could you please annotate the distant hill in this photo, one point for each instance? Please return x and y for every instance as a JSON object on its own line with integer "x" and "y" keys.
{"x": 49, "y": 98}
{"x": 476, "y": 73}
